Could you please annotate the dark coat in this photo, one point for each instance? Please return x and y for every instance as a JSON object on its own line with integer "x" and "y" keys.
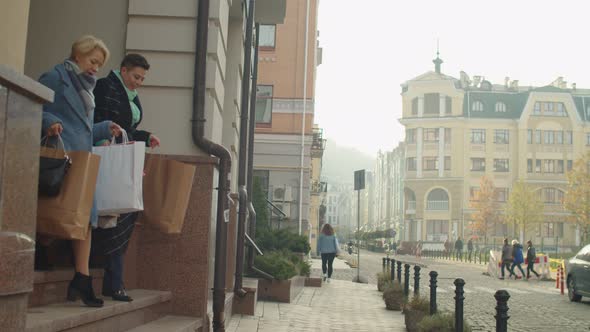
{"x": 531, "y": 255}
{"x": 112, "y": 104}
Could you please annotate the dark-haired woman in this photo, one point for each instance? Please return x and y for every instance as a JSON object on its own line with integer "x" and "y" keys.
{"x": 117, "y": 100}
{"x": 327, "y": 248}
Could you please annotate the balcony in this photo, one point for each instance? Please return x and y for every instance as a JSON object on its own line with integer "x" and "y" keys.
{"x": 318, "y": 143}
{"x": 437, "y": 205}
{"x": 318, "y": 187}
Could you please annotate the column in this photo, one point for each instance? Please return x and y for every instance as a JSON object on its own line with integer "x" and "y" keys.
{"x": 420, "y": 106}
{"x": 418, "y": 230}
{"x": 441, "y": 152}
{"x": 442, "y": 105}
{"x": 419, "y": 148}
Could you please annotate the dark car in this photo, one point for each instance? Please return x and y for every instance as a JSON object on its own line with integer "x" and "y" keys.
{"x": 578, "y": 275}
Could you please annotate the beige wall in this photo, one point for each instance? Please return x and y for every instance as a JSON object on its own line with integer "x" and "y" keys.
{"x": 54, "y": 25}
{"x": 13, "y": 32}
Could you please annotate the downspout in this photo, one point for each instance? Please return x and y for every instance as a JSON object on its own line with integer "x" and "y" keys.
{"x": 243, "y": 153}
{"x": 250, "y": 188}
{"x": 217, "y": 150}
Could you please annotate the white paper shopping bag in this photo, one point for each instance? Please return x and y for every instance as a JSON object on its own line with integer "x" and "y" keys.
{"x": 119, "y": 186}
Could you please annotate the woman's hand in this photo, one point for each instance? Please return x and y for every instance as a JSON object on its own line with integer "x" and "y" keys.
{"x": 55, "y": 129}
{"x": 115, "y": 129}
{"x": 154, "y": 141}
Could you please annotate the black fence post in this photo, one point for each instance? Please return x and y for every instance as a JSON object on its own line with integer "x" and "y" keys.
{"x": 392, "y": 269}
{"x": 407, "y": 279}
{"x": 399, "y": 272}
{"x": 501, "y": 316}
{"x": 416, "y": 280}
{"x": 384, "y": 262}
{"x": 459, "y": 283}
{"x": 433, "y": 275}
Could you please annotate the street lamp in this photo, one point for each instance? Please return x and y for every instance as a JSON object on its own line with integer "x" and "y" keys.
{"x": 359, "y": 184}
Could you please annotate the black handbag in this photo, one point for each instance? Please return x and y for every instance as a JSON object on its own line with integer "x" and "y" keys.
{"x": 53, "y": 166}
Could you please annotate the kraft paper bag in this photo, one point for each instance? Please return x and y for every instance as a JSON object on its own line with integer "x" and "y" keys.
{"x": 119, "y": 184}
{"x": 167, "y": 187}
{"x": 67, "y": 215}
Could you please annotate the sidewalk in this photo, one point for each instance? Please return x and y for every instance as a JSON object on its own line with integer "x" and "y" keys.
{"x": 336, "y": 306}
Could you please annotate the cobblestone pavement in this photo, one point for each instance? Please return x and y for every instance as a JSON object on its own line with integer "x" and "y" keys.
{"x": 534, "y": 305}
{"x": 336, "y": 306}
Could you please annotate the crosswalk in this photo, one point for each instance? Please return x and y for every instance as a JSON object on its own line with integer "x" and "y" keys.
{"x": 488, "y": 290}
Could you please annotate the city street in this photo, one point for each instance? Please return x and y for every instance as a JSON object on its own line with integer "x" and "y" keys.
{"x": 534, "y": 305}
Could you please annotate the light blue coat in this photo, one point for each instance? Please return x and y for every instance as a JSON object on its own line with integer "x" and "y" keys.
{"x": 79, "y": 130}
{"x": 327, "y": 244}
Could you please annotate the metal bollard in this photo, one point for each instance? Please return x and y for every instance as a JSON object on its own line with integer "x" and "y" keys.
{"x": 407, "y": 279}
{"x": 433, "y": 275}
{"x": 416, "y": 280}
{"x": 392, "y": 269}
{"x": 384, "y": 262}
{"x": 459, "y": 283}
{"x": 501, "y": 316}
{"x": 399, "y": 272}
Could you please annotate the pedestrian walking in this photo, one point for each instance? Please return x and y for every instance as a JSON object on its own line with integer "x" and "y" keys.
{"x": 506, "y": 258}
{"x": 531, "y": 257}
{"x": 470, "y": 248}
{"x": 328, "y": 248}
{"x": 518, "y": 259}
{"x": 419, "y": 249}
{"x": 459, "y": 248}
{"x": 447, "y": 246}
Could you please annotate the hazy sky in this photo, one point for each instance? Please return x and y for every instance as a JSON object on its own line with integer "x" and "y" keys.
{"x": 373, "y": 46}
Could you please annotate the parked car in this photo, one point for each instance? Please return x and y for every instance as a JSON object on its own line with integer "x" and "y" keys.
{"x": 578, "y": 275}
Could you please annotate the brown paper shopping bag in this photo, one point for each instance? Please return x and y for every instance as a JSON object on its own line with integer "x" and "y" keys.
{"x": 167, "y": 186}
{"x": 67, "y": 216}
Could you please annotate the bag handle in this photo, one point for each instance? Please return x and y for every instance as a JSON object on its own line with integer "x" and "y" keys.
{"x": 124, "y": 135}
{"x": 59, "y": 140}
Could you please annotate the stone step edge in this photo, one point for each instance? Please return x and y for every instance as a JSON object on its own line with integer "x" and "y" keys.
{"x": 171, "y": 324}
{"x": 61, "y": 275}
{"x": 66, "y": 315}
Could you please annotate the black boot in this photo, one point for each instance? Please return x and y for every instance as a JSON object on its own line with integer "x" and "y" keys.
{"x": 42, "y": 258}
{"x": 81, "y": 287}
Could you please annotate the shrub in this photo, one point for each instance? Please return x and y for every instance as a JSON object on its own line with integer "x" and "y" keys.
{"x": 304, "y": 268}
{"x": 269, "y": 240}
{"x": 276, "y": 264}
{"x": 440, "y": 322}
{"x": 393, "y": 296}
{"x": 415, "y": 311}
{"x": 382, "y": 279}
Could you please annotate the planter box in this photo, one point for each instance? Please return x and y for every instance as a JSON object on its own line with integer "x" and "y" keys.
{"x": 313, "y": 282}
{"x": 280, "y": 290}
{"x": 412, "y": 318}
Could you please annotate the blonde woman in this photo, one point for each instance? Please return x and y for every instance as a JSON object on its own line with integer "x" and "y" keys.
{"x": 328, "y": 249}
{"x": 71, "y": 115}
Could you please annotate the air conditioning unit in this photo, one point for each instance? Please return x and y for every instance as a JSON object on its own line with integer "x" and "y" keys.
{"x": 286, "y": 208}
{"x": 282, "y": 194}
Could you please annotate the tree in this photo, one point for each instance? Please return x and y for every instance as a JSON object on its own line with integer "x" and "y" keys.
{"x": 577, "y": 196}
{"x": 524, "y": 207}
{"x": 486, "y": 208}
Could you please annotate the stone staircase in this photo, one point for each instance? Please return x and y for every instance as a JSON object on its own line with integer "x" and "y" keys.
{"x": 50, "y": 312}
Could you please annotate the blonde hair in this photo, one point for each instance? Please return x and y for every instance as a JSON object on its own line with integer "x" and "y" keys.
{"x": 87, "y": 44}
{"x": 514, "y": 242}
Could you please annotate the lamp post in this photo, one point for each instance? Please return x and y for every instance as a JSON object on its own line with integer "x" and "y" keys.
{"x": 359, "y": 184}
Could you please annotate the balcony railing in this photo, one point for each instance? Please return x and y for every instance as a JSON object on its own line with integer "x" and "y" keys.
{"x": 411, "y": 206}
{"x": 318, "y": 187}
{"x": 318, "y": 143}
{"x": 437, "y": 205}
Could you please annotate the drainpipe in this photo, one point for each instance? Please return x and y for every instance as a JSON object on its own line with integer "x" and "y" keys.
{"x": 243, "y": 153}
{"x": 217, "y": 150}
{"x": 252, "y": 225}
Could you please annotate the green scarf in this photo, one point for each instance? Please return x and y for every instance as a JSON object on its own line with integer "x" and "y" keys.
{"x": 131, "y": 95}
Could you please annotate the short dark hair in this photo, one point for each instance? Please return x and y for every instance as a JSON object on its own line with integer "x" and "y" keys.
{"x": 135, "y": 60}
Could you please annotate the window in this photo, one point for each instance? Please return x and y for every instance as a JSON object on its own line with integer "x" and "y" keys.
{"x": 477, "y": 106}
{"x": 501, "y": 136}
{"x": 538, "y": 166}
{"x": 430, "y": 135}
{"x": 500, "y": 107}
{"x": 529, "y": 165}
{"x": 478, "y": 164}
{"x": 568, "y": 137}
{"x": 537, "y": 136}
{"x": 537, "y": 109}
{"x": 411, "y": 164}
{"x": 431, "y": 103}
{"x": 501, "y": 165}
{"x": 447, "y": 163}
{"x": 559, "y": 167}
{"x": 569, "y": 165}
{"x": 267, "y": 35}
{"x": 552, "y": 229}
{"x": 415, "y": 106}
{"x": 411, "y": 136}
{"x": 551, "y": 196}
{"x": 559, "y": 137}
{"x": 264, "y": 104}
{"x": 549, "y": 166}
{"x": 478, "y": 136}
{"x": 447, "y": 135}
{"x": 549, "y": 137}
{"x": 560, "y": 109}
{"x": 501, "y": 194}
{"x": 437, "y": 227}
{"x": 548, "y": 107}
{"x": 448, "y": 105}
{"x": 437, "y": 199}
{"x": 529, "y": 136}
{"x": 430, "y": 163}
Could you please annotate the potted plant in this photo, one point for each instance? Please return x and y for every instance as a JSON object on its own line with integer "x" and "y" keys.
{"x": 393, "y": 296}
{"x": 415, "y": 311}
{"x": 382, "y": 279}
{"x": 440, "y": 322}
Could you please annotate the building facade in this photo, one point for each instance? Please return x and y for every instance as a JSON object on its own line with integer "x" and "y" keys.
{"x": 458, "y": 130}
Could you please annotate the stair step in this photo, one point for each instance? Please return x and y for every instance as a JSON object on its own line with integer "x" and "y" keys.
{"x": 171, "y": 324}
{"x": 51, "y": 286}
{"x": 113, "y": 316}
